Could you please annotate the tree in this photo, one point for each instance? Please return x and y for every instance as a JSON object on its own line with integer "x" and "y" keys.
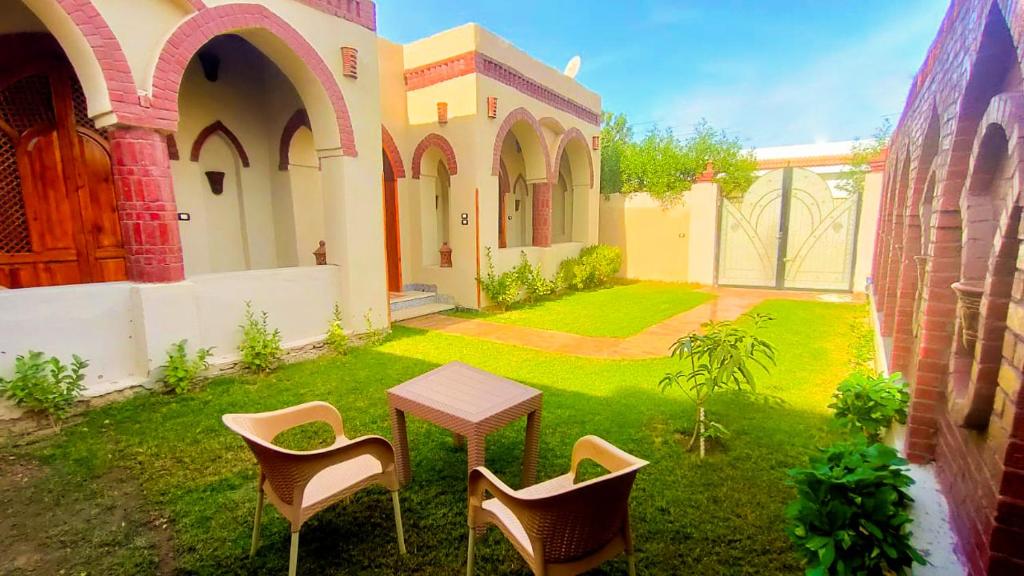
{"x": 616, "y": 134}
{"x": 851, "y": 180}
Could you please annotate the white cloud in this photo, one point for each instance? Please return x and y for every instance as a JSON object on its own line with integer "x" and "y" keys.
{"x": 834, "y": 96}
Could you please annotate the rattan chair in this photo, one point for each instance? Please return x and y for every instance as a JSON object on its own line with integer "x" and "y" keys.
{"x": 300, "y": 484}
{"x": 558, "y": 526}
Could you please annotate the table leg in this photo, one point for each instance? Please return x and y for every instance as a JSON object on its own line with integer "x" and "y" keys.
{"x": 531, "y": 450}
{"x": 403, "y": 467}
{"x": 458, "y": 440}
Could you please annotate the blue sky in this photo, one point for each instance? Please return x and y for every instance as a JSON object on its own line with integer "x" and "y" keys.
{"x": 772, "y": 72}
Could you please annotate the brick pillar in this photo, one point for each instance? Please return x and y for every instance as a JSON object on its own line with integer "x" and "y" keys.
{"x": 542, "y": 214}
{"x": 145, "y": 205}
{"x": 906, "y": 298}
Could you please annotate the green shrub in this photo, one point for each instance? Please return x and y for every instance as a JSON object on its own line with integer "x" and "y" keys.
{"x": 594, "y": 267}
{"x": 850, "y": 514}
{"x": 532, "y": 282}
{"x": 179, "y": 372}
{"x": 46, "y": 385}
{"x": 870, "y": 403}
{"x": 337, "y": 338}
{"x": 373, "y": 336}
{"x": 504, "y": 289}
{"x": 261, "y": 347}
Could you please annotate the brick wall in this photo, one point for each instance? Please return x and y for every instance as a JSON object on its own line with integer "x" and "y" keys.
{"x": 952, "y": 211}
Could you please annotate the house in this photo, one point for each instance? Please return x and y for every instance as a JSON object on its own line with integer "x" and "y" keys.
{"x": 164, "y": 162}
{"x": 948, "y": 282}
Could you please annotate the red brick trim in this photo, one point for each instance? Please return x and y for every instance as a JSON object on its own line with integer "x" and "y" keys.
{"x": 212, "y": 129}
{"x": 434, "y": 140}
{"x": 570, "y": 135}
{"x": 475, "y": 62}
{"x": 202, "y": 26}
{"x": 515, "y": 116}
{"x": 298, "y": 120}
{"x": 362, "y": 12}
{"x": 197, "y": 5}
{"x": 393, "y": 155}
{"x": 172, "y": 147}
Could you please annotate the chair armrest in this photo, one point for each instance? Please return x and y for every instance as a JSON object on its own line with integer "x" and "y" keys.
{"x": 604, "y": 453}
{"x": 482, "y": 481}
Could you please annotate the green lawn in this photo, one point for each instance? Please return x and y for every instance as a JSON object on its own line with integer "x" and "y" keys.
{"x": 157, "y": 484}
{"x": 617, "y": 312}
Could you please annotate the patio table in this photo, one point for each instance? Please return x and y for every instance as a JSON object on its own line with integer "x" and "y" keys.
{"x": 471, "y": 403}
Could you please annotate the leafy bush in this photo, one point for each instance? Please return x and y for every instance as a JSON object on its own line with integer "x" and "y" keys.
{"x": 337, "y": 338}
{"x": 721, "y": 357}
{"x": 850, "y": 514}
{"x": 373, "y": 336}
{"x": 179, "y": 372}
{"x": 46, "y": 385}
{"x": 870, "y": 403}
{"x": 501, "y": 289}
{"x": 261, "y": 347}
{"x": 594, "y": 267}
{"x": 532, "y": 282}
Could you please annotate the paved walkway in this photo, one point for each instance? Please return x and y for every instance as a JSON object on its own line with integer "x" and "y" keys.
{"x": 654, "y": 342}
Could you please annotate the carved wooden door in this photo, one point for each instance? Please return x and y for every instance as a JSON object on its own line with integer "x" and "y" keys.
{"x": 58, "y": 212}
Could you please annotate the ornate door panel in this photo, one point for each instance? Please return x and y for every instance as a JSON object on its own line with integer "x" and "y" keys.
{"x": 789, "y": 231}
{"x": 58, "y": 213}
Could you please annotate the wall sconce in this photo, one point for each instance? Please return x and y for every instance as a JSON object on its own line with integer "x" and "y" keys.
{"x": 349, "y": 62}
{"x": 442, "y": 112}
{"x": 216, "y": 180}
{"x": 492, "y": 106}
{"x": 595, "y": 143}
{"x": 321, "y": 254}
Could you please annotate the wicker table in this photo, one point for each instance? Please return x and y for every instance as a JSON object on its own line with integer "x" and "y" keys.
{"x": 469, "y": 402}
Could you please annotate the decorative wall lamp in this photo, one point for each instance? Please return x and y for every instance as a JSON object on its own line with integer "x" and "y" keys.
{"x": 492, "y": 106}
{"x": 442, "y": 112}
{"x": 349, "y": 62}
{"x": 595, "y": 142}
{"x": 321, "y": 254}
{"x": 446, "y": 255}
{"x": 216, "y": 180}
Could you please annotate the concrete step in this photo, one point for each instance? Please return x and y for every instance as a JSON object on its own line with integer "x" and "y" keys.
{"x": 410, "y": 298}
{"x": 420, "y": 310}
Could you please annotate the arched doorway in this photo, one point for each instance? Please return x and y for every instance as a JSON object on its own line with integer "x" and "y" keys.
{"x": 58, "y": 209}
{"x": 392, "y": 228}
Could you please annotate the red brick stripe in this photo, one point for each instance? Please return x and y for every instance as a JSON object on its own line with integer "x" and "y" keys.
{"x": 515, "y": 116}
{"x": 362, "y": 12}
{"x": 475, "y": 62}
{"x": 570, "y": 135}
{"x": 212, "y": 129}
{"x": 441, "y": 143}
{"x": 393, "y": 155}
{"x": 202, "y": 26}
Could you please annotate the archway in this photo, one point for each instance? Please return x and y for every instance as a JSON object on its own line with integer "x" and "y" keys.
{"x": 251, "y": 185}
{"x": 392, "y": 227}
{"x": 520, "y": 145}
{"x": 433, "y": 164}
{"x": 573, "y": 173}
{"x": 58, "y": 207}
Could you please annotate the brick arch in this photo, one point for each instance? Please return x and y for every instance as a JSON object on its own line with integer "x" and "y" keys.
{"x": 434, "y": 140}
{"x": 202, "y": 26}
{"x": 300, "y": 119}
{"x": 520, "y": 115}
{"x": 572, "y": 135}
{"x": 392, "y": 152}
{"x": 97, "y": 57}
{"x": 889, "y": 275}
{"x": 214, "y": 128}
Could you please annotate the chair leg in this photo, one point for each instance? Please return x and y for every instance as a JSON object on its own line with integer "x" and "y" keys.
{"x": 256, "y": 525}
{"x": 398, "y": 522}
{"x": 632, "y": 563}
{"x": 469, "y": 553}
{"x": 293, "y": 555}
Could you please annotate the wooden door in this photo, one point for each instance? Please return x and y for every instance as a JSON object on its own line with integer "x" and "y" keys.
{"x": 392, "y": 234}
{"x": 58, "y": 213}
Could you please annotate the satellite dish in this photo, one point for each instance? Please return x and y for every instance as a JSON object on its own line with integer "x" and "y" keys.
{"x": 573, "y": 67}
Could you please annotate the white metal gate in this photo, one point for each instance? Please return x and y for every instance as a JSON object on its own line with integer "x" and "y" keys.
{"x": 790, "y": 230}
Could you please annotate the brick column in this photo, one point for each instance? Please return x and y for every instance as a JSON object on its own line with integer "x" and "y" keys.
{"x": 145, "y": 205}
{"x": 542, "y": 214}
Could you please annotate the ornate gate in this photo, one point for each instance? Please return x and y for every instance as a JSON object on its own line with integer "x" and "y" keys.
{"x": 790, "y": 230}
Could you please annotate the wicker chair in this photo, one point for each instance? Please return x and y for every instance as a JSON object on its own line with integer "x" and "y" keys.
{"x": 300, "y": 484}
{"x": 558, "y": 526}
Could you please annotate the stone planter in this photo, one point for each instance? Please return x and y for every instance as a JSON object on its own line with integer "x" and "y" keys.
{"x": 968, "y": 310}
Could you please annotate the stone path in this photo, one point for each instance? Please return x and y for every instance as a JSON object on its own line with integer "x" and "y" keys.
{"x": 654, "y": 342}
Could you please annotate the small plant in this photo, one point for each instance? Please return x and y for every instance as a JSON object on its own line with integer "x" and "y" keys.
{"x": 534, "y": 285}
{"x": 374, "y": 336}
{"x": 871, "y": 403}
{"x": 46, "y": 385}
{"x": 337, "y": 338}
{"x": 501, "y": 289}
{"x": 593, "y": 268}
{"x": 180, "y": 372}
{"x": 261, "y": 347}
{"x": 850, "y": 514}
{"x": 722, "y": 357}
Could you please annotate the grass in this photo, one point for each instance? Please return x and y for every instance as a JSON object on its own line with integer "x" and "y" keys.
{"x": 156, "y": 484}
{"x": 616, "y": 312}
